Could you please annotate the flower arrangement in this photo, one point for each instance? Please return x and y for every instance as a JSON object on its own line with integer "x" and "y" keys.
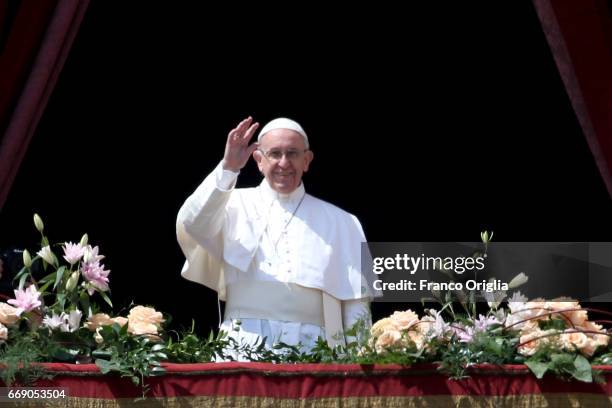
{"x": 555, "y": 335}
{"x": 57, "y": 318}
{"x": 545, "y": 336}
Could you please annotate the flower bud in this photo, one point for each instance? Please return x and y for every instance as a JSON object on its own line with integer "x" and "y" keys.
{"x": 27, "y": 259}
{"x": 98, "y": 337}
{"x": 72, "y": 281}
{"x": 484, "y": 236}
{"x": 518, "y": 280}
{"x": 84, "y": 240}
{"x": 38, "y": 223}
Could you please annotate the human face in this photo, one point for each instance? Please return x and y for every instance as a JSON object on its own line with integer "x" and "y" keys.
{"x": 284, "y": 175}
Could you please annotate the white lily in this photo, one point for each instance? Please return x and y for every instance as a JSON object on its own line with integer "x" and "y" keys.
{"x": 46, "y": 254}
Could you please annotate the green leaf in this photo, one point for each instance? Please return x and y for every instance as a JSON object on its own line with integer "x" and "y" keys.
{"x": 537, "y": 368}
{"x": 84, "y": 300}
{"x": 158, "y": 347}
{"x": 105, "y": 354}
{"x": 20, "y": 273}
{"x": 61, "y": 299}
{"x": 22, "y": 280}
{"x": 124, "y": 329}
{"x": 59, "y": 276}
{"x": 496, "y": 345}
{"x": 48, "y": 278}
{"x": 106, "y": 299}
{"x": 44, "y": 287}
{"x": 606, "y": 359}
{"x": 103, "y": 365}
{"x": 158, "y": 371}
{"x": 562, "y": 360}
{"x": 556, "y": 324}
{"x": 65, "y": 354}
{"x": 583, "y": 369}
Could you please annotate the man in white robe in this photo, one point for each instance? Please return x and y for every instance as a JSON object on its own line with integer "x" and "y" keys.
{"x": 287, "y": 264}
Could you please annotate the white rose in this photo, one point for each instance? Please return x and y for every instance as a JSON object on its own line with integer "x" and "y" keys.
{"x": 146, "y": 315}
{"x": 405, "y": 320}
{"x": 98, "y": 320}
{"x": 139, "y": 328}
{"x": 387, "y": 339}
{"x": 8, "y": 314}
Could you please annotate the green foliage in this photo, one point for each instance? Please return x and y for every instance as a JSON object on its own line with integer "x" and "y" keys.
{"x": 359, "y": 349}
{"x": 455, "y": 359}
{"x": 467, "y": 341}
{"x": 555, "y": 324}
{"x": 604, "y": 357}
{"x": 189, "y": 348}
{"x": 19, "y": 356}
{"x": 565, "y": 365}
{"x": 493, "y": 347}
{"x": 135, "y": 357}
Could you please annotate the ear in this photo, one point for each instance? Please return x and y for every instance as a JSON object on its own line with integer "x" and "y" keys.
{"x": 308, "y": 156}
{"x": 258, "y": 157}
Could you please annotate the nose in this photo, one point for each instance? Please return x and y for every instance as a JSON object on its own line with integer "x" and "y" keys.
{"x": 284, "y": 162}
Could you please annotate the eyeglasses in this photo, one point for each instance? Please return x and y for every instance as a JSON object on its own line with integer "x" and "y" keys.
{"x": 275, "y": 155}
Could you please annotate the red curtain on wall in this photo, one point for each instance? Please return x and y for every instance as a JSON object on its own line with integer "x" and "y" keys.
{"x": 579, "y": 33}
{"x": 35, "y": 37}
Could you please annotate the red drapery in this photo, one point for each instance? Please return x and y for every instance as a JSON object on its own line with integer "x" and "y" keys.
{"x": 35, "y": 37}
{"x": 580, "y": 36}
{"x": 350, "y": 385}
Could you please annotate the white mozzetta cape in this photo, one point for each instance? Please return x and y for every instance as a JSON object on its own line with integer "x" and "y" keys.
{"x": 221, "y": 229}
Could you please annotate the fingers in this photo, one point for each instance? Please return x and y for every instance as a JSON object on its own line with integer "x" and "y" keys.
{"x": 243, "y": 126}
{"x": 250, "y": 131}
{"x": 240, "y": 132}
{"x": 237, "y": 149}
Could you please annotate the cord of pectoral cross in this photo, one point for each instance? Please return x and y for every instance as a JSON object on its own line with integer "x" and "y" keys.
{"x": 284, "y": 230}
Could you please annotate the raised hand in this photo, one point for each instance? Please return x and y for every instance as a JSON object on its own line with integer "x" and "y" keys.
{"x": 237, "y": 148}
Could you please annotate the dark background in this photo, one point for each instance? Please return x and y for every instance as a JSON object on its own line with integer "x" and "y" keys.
{"x": 429, "y": 124}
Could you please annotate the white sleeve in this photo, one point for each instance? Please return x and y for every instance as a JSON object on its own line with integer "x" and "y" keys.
{"x": 226, "y": 179}
{"x": 202, "y": 214}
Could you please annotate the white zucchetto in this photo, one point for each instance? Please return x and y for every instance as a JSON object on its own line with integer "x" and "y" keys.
{"x": 283, "y": 123}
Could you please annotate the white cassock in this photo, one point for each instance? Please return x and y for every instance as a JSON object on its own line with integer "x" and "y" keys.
{"x": 288, "y": 266}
